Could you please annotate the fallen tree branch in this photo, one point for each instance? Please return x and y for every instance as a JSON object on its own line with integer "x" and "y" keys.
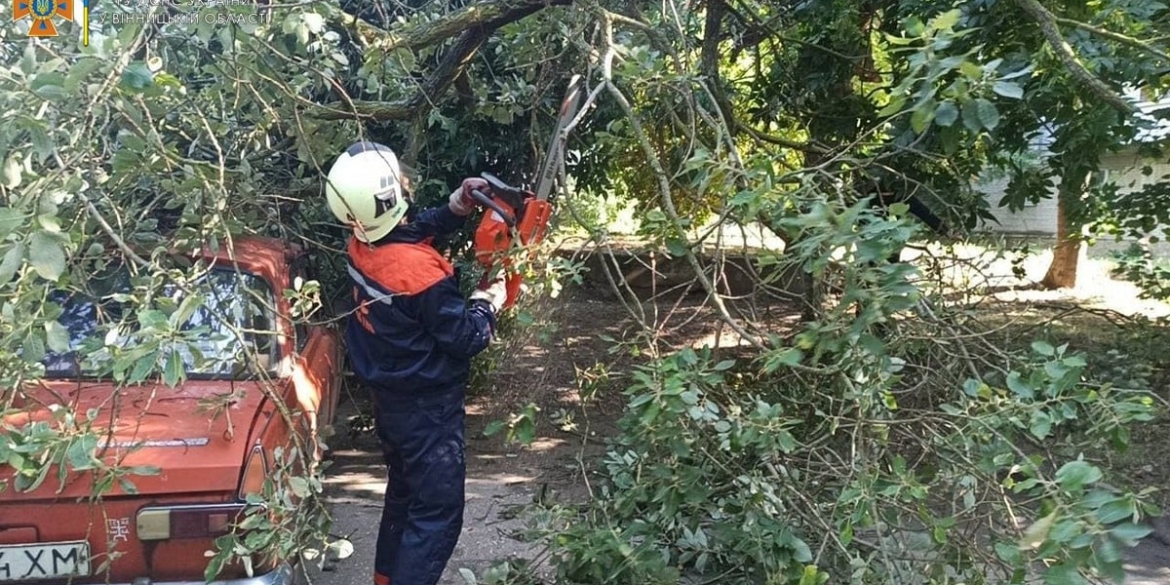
{"x": 472, "y": 24}
{"x": 1064, "y": 53}
{"x": 417, "y": 36}
{"x": 664, "y": 182}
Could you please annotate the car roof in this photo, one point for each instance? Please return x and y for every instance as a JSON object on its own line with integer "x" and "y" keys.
{"x": 268, "y": 257}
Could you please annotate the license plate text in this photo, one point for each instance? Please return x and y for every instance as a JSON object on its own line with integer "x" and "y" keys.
{"x": 43, "y": 561}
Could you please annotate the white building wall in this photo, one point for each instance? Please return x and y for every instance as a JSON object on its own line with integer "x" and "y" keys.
{"x": 1123, "y": 169}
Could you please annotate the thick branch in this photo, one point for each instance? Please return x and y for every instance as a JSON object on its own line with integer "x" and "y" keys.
{"x": 491, "y": 13}
{"x": 372, "y": 110}
{"x": 1114, "y": 36}
{"x": 712, "y": 33}
{"x": 440, "y": 80}
{"x": 473, "y": 24}
{"x": 1064, "y": 52}
{"x": 781, "y": 141}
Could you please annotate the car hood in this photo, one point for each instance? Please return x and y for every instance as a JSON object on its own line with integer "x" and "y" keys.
{"x": 195, "y": 435}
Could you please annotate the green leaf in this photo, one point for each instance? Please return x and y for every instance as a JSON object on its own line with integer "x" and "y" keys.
{"x": 525, "y": 431}
{"x": 137, "y": 76}
{"x": 810, "y": 576}
{"x": 299, "y": 487}
{"x": 50, "y": 92}
{"x": 143, "y": 367}
{"x": 315, "y": 22}
{"x": 11, "y": 176}
{"x": 80, "y": 452}
{"x": 921, "y": 118}
{"x": 971, "y": 116}
{"x": 1007, "y": 553}
{"x": 786, "y": 441}
{"x": 1075, "y": 475}
{"x": 57, "y": 336}
{"x": 677, "y": 247}
{"x": 1043, "y": 348}
{"x": 33, "y": 349}
{"x": 153, "y": 319}
{"x": 79, "y": 71}
{"x": 1064, "y": 531}
{"x": 895, "y": 106}
{"x": 946, "y": 20}
{"x": 1037, "y": 533}
{"x": 1055, "y": 370}
{"x": 915, "y": 26}
{"x": 215, "y": 566}
{"x": 186, "y": 309}
{"x": 1116, "y": 510}
{"x": 468, "y": 576}
{"x": 1040, "y": 424}
{"x": 43, "y": 144}
{"x": 494, "y": 427}
{"x": 1129, "y": 533}
{"x": 173, "y": 370}
{"x": 46, "y": 256}
{"x": 1110, "y": 562}
{"x": 789, "y": 356}
{"x": 1064, "y": 574}
{"x": 1021, "y": 388}
{"x": 946, "y": 114}
{"x": 986, "y": 112}
{"x": 10, "y": 220}
{"x": 971, "y": 70}
{"x": 801, "y": 551}
{"x": 1008, "y": 89}
{"x": 127, "y": 486}
{"x": 13, "y": 258}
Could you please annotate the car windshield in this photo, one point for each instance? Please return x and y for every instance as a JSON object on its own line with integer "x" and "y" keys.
{"x": 229, "y": 335}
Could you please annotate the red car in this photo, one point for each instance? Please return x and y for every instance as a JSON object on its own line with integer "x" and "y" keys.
{"x": 158, "y": 529}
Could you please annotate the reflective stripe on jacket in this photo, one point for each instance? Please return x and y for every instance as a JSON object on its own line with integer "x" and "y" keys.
{"x": 412, "y": 330}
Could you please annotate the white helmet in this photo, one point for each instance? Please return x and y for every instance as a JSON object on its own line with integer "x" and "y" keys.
{"x": 364, "y": 190}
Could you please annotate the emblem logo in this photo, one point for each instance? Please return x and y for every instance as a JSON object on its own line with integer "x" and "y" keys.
{"x": 42, "y": 13}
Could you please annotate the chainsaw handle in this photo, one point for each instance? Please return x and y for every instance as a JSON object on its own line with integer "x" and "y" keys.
{"x": 491, "y": 204}
{"x": 513, "y": 196}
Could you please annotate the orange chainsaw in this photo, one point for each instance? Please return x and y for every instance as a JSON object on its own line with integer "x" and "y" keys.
{"x": 519, "y": 215}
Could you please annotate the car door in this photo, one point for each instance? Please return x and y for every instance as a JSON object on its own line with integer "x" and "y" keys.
{"x": 318, "y": 362}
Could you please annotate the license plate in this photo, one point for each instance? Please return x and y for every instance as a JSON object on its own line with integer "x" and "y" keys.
{"x": 48, "y": 560}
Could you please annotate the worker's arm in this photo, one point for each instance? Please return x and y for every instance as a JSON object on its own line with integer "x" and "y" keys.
{"x": 430, "y": 223}
{"x": 460, "y": 327}
{"x": 442, "y": 220}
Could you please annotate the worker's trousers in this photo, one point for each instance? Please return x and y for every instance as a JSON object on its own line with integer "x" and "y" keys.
{"x": 422, "y": 440}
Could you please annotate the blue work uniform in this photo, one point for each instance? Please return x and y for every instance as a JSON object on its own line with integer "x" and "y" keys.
{"x": 411, "y": 340}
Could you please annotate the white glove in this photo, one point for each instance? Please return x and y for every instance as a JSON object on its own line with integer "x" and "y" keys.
{"x": 495, "y": 292}
{"x": 461, "y": 202}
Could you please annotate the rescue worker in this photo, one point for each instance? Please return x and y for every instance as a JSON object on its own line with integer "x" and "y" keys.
{"x": 410, "y": 339}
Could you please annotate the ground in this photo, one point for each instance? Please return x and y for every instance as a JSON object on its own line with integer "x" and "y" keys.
{"x": 555, "y": 366}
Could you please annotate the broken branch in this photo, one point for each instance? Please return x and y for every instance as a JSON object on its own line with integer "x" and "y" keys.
{"x": 1064, "y": 53}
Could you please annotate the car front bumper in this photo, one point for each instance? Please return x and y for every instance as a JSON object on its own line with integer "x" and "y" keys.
{"x": 282, "y": 575}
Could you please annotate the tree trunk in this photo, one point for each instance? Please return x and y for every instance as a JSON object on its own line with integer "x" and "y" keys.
{"x": 1066, "y": 255}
